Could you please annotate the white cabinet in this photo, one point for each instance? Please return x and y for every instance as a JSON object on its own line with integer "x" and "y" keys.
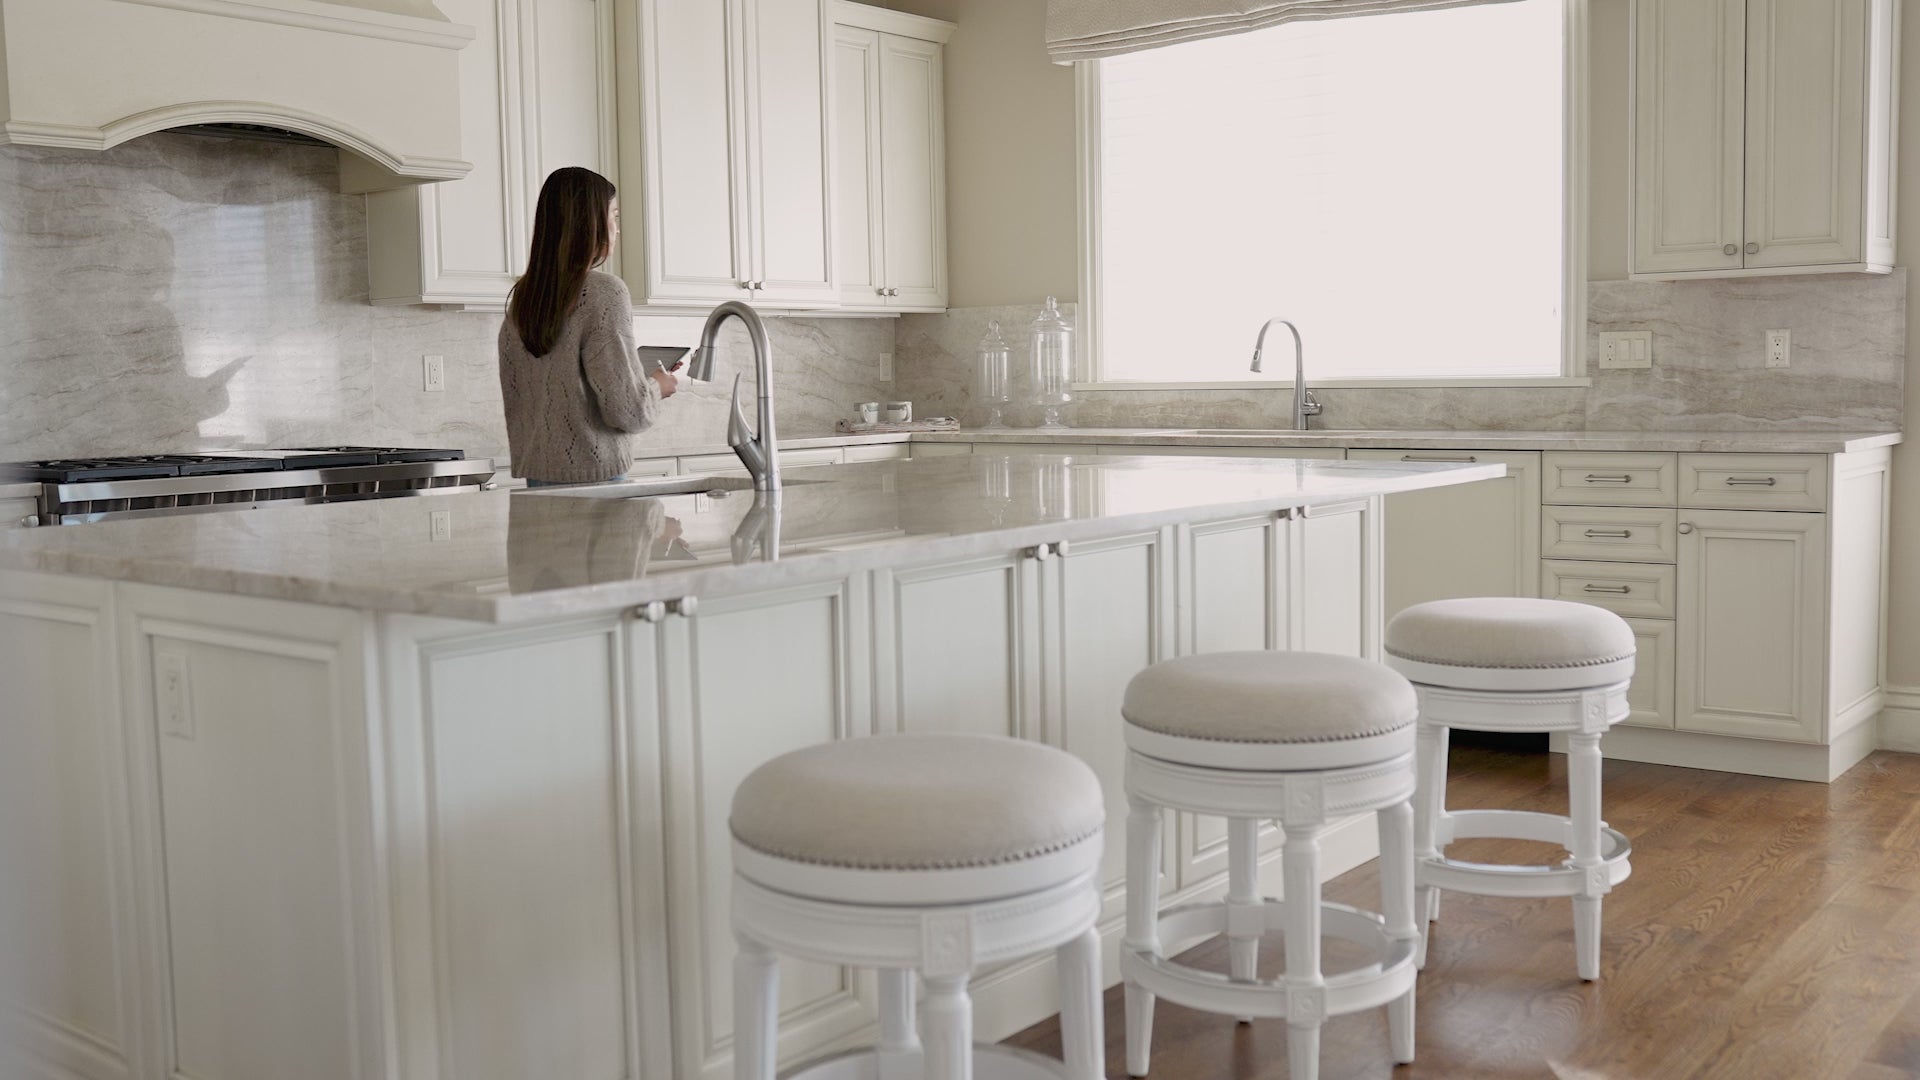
{"x": 1479, "y": 539}
{"x": 535, "y": 94}
{"x": 1764, "y": 135}
{"x": 1751, "y": 624}
{"x": 890, "y": 159}
{"x": 728, "y": 156}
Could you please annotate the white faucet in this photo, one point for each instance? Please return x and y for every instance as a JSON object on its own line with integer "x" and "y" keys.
{"x": 1304, "y": 403}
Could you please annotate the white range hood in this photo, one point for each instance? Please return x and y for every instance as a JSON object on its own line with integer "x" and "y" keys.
{"x": 377, "y": 78}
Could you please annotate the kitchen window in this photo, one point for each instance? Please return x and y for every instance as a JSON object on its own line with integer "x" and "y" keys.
{"x": 1406, "y": 188}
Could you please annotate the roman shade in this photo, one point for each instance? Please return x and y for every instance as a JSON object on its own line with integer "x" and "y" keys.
{"x": 1091, "y": 29}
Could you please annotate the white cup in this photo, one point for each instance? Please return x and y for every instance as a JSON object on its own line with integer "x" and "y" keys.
{"x": 899, "y": 412}
{"x": 868, "y": 412}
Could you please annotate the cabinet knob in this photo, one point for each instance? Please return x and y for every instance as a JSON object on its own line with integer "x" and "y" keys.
{"x": 882, "y": 292}
{"x": 1731, "y": 249}
{"x": 1060, "y": 548}
{"x": 650, "y": 612}
{"x": 1040, "y": 552}
{"x": 685, "y": 607}
{"x": 891, "y": 291}
{"x": 1753, "y": 249}
{"x": 1686, "y": 527}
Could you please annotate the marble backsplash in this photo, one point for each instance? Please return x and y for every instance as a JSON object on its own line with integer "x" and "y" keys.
{"x": 178, "y": 292}
{"x": 1849, "y": 359}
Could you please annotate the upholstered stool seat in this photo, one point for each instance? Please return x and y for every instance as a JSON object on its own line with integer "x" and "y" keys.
{"x": 933, "y": 854}
{"x": 1517, "y": 665}
{"x": 1298, "y": 737}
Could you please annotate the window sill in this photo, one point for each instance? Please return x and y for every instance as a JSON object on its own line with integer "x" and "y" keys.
{"x": 1542, "y": 381}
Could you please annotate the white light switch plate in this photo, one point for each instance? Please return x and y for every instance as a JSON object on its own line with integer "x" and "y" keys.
{"x": 886, "y": 367}
{"x": 440, "y": 524}
{"x": 1626, "y": 349}
{"x": 173, "y": 696}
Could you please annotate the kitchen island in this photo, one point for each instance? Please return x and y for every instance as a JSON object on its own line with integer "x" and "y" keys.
{"x": 437, "y": 788}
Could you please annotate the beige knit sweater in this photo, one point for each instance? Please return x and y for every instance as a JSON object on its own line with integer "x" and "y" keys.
{"x": 569, "y": 412}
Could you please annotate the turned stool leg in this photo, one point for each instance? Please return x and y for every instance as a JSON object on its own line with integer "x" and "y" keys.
{"x": 898, "y": 1051}
{"x": 1143, "y": 923}
{"x": 1083, "y": 1040}
{"x": 1395, "y": 824}
{"x": 1430, "y": 770}
{"x": 1246, "y": 915}
{"x": 756, "y": 1010}
{"x": 1583, "y": 806}
{"x": 1306, "y": 989}
{"x": 949, "y": 1028}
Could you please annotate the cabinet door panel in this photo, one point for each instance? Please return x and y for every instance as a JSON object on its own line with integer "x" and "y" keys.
{"x": 63, "y": 944}
{"x": 964, "y": 648}
{"x": 1650, "y": 695}
{"x": 1114, "y": 623}
{"x": 695, "y": 151}
{"x": 1689, "y": 93}
{"x": 473, "y": 236}
{"x": 1480, "y": 539}
{"x": 857, "y": 216}
{"x": 1337, "y": 580}
{"x": 1805, "y": 117}
{"x": 571, "y": 107}
{"x": 789, "y": 45}
{"x": 526, "y": 779}
{"x": 914, "y": 172}
{"x": 805, "y": 647}
{"x": 1751, "y": 624}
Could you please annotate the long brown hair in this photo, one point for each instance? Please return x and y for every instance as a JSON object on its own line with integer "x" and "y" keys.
{"x": 570, "y": 237}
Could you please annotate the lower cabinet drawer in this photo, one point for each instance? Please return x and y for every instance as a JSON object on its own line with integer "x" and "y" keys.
{"x": 1611, "y": 533}
{"x": 653, "y": 467}
{"x": 1638, "y": 590}
{"x": 15, "y": 512}
{"x": 940, "y": 449}
{"x": 1754, "y": 481}
{"x": 1651, "y": 693}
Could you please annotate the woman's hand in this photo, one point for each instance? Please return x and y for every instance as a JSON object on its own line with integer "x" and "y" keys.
{"x": 667, "y": 383}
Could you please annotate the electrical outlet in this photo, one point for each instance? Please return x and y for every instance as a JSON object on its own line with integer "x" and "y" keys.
{"x": 886, "y": 367}
{"x": 172, "y": 692}
{"x": 1779, "y": 348}
{"x": 433, "y": 373}
{"x": 440, "y": 524}
{"x": 1626, "y": 349}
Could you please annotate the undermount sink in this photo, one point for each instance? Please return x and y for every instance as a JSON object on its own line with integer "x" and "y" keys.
{"x": 665, "y": 485}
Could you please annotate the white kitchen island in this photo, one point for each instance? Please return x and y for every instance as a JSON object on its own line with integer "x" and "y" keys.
{"x": 438, "y": 787}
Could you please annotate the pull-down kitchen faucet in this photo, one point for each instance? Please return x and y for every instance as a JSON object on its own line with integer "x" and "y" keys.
{"x": 755, "y": 448}
{"x": 1304, "y": 404}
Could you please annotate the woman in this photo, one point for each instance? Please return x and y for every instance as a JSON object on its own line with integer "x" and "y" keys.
{"x": 570, "y": 377}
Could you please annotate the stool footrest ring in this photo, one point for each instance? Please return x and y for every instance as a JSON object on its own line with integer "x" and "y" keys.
{"x": 1520, "y": 880}
{"x": 990, "y": 1062}
{"x": 1365, "y": 987}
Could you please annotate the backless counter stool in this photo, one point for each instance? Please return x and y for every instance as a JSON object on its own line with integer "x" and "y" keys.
{"x": 919, "y": 853}
{"x": 1304, "y": 738}
{"x": 1517, "y": 665}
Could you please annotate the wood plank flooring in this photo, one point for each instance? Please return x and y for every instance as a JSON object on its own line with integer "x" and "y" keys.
{"x": 1771, "y": 929}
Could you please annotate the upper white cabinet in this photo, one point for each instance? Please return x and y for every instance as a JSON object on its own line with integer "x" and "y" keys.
{"x": 889, "y": 159}
{"x": 535, "y": 92}
{"x": 1763, "y": 136}
{"x": 728, "y": 158}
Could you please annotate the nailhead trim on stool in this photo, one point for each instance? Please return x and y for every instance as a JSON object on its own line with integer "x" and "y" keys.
{"x": 1335, "y": 738}
{"x": 906, "y": 892}
{"x": 1568, "y": 672}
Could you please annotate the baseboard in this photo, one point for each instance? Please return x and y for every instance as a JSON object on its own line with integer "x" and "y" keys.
{"x": 1900, "y": 720}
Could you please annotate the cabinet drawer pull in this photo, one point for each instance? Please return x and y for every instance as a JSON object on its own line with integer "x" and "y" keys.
{"x": 1611, "y": 534}
{"x": 1619, "y": 589}
{"x": 1752, "y": 481}
{"x": 1467, "y": 458}
{"x": 1610, "y": 478}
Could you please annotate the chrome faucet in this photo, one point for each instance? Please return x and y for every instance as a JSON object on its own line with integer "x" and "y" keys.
{"x": 755, "y": 448}
{"x": 1304, "y": 403}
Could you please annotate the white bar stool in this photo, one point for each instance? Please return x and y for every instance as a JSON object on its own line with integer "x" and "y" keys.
{"x": 927, "y": 853}
{"x": 1517, "y": 665}
{"x": 1304, "y": 738}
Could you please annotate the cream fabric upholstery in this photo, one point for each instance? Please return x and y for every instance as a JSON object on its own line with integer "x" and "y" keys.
{"x": 1525, "y": 643}
{"x": 1270, "y": 698}
{"x": 918, "y": 802}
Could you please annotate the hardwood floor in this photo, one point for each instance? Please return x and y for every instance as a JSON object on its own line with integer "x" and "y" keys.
{"x": 1771, "y": 929}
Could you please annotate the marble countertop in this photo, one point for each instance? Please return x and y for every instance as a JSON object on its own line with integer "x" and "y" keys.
{"x": 524, "y": 555}
{"x": 1703, "y": 442}
{"x": 19, "y": 490}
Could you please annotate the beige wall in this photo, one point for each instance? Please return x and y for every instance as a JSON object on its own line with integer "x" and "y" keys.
{"x": 1903, "y": 642}
{"x": 1011, "y": 165}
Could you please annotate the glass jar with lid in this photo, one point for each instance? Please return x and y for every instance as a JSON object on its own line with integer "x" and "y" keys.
{"x": 993, "y": 387}
{"x": 1050, "y": 348}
